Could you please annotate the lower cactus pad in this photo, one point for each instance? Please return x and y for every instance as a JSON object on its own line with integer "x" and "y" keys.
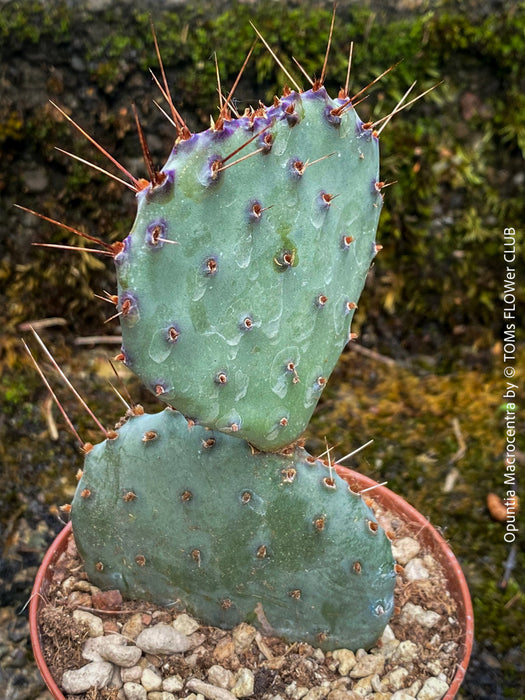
{"x": 175, "y": 513}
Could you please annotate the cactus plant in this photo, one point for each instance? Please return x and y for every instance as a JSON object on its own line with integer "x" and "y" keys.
{"x": 240, "y": 324}
{"x": 236, "y": 290}
{"x": 171, "y": 512}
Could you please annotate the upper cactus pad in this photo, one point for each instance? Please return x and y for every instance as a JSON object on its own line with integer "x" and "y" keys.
{"x": 172, "y": 512}
{"x": 240, "y": 323}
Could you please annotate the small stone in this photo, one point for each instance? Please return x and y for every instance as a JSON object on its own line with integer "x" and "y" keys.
{"x": 133, "y": 627}
{"x": 363, "y": 686}
{"x": 389, "y": 649}
{"x": 162, "y": 639}
{"x": 185, "y": 624}
{"x": 67, "y": 584}
{"x": 434, "y": 667}
{"x": 135, "y": 691}
{"x": 224, "y": 649}
{"x": 346, "y": 659}
{"x": 107, "y": 600}
{"x": 368, "y": 666}
{"x": 172, "y": 684}
{"x": 318, "y": 655}
{"x": 244, "y": 682}
{"x": 79, "y": 599}
{"x": 415, "y": 614}
{"x": 94, "y": 647}
{"x": 340, "y": 694}
{"x": 414, "y": 688}
{"x": 379, "y": 696}
{"x": 375, "y": 682}
{"x": 243, "y": 636}
{"x": 415, "y": 570}
{"x": 317, "y": 693}
{"x": 96, "y": 674}
{"x": 121, "y": 656}
{"x": 161, "y": 695}
{"x": 93, "y": 622}
{"x": 395, "y": 679}
{"x": 405, "y": 653}
{"x": 402, "y": 695}
{"x": 433, "y": 689}
{"x": 84, "y": 586}
{"x": 116, "y": 679}
{"x": 450, "y": 648}
{"x": 131, "y": 675}
{"x": 405, "y": 549}
{"x": 196, "y": 639}
{"x": 388, "y": 635}
{"x": 151, "y": 680}
{"x": 220, "y": 676}
{"x": 294, "y": 691}
{"x": 435, "y": 641}
{"x": 208, "y": 690}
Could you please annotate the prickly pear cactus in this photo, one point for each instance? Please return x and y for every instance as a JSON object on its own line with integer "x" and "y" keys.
{"x": 171, "y": 512}
{"x": 239, "y": 323}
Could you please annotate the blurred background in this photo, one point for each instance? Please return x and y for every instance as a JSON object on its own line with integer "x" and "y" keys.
{"x": 425, "y": 377}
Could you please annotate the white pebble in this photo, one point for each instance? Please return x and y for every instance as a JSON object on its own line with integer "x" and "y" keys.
{"x": 405, "y": 549}
{"x": 388, "y": 635}
{"x": 294, "y": 691}
{"x": 402, "y": 695}
{"x": 185, "y": 624}
{"x": 415, "y": 570}
{"x": 433, "y": 689}
{"x": 172, "y": 684}
{"x": 208, "y": 690}
{"x": 415, "y": 614}
{"x": 151, "y": 680}
{"x": 405, "y": 653}
{"x": 132, "y": 674}
{"x": 94, "y": 647}
{"x": 346, "y": 659}
{"x": 220, "y": 676}
{"x": 162, "y": 639}
{"x": 244, "y": 682}
{"x": 135, "y": 691}
{"x": 317, "y": 693}
{"x": 395, "y": 679}
{"x": 243, "y": 636}
{"x": 161, "y": 695}
{"x": 93, "y": 622}
{"x": 368, "y": 666}
{"x": 96, "y": 674}
{"x": 121, "y": 655}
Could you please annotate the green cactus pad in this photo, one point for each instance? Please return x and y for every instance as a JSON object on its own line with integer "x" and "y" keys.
{"x": 172, "y": 512}
{"x": 237, "y": 285}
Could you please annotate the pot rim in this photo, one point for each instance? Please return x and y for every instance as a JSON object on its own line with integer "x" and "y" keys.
{"x": 358, "y": 482}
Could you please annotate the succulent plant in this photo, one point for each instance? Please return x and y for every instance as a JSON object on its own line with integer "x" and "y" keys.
{"x": 176, "y": 513}
{"x": 236, "y": 290}
{"x": 240, "y": 323}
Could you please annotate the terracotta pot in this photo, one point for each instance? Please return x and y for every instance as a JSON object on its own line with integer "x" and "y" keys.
{"x": 424, "y": 531}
